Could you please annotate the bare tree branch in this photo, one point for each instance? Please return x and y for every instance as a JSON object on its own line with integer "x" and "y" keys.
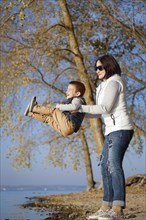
{"x": 66, "y": 69}
{"x": 15, "y": 14}
{"x": 44, "y": 82}
{"x": 134, "y": 95}
{"x": 137, "y": 34}
{"x": 54, "y": 26}
{"x": 132, "y": 76}
{"x": 137, "y": 55}
{"x": 141, "y": 131}
{"x": 16, "y": 40}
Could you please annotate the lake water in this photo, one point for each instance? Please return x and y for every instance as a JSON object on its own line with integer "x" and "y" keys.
{"x": 11, "y": 199}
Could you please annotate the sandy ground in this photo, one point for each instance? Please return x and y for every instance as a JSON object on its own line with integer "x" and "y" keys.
{"x": 78, "y": 206}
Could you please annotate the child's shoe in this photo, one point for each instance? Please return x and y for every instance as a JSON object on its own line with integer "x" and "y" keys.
{"x": 30, "y": 106}
{"x": 32, "y": 103}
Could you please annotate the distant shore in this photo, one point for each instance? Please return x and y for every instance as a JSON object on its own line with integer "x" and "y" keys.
{"x": 77, "y": 206}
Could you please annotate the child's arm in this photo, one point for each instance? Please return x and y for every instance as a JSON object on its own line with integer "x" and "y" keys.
{"x": 75, "y": 105}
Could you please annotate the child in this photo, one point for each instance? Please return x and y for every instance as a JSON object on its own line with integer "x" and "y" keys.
{"x": 64, "y": 117}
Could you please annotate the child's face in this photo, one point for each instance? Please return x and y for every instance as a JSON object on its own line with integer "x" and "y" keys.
{"x": 72, "y": 91}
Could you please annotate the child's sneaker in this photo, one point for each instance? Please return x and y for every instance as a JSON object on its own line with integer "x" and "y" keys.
{"x": 32, "y": 103}
{"x": 97, "y": 214}
{"x": 30, "y": 106}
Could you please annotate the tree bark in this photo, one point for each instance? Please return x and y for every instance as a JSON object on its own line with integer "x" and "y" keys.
{"x": 88, "y": 165}
{"x": 136, "y": 180}
{"x": 96, "y": 124}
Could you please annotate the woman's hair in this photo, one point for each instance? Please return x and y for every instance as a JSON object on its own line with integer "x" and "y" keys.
{"x": 110, "y": 65}
{"x": 79, "y": 86}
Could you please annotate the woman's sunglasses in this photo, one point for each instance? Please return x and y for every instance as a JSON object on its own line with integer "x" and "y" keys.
{"x": 100, "y": 68}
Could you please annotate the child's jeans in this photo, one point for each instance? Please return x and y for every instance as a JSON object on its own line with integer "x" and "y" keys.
{"x": 54, "y": 117}
{"x": 115, "y": 145}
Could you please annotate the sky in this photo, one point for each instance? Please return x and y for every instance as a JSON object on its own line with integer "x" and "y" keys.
{"x": 49, "y": 175}
{"x": 42, "y": 175}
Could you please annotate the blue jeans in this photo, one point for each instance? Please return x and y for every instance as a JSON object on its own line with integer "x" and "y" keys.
{"x": 115, "y": 145}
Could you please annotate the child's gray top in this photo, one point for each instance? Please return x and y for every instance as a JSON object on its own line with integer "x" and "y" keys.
{"x": 74, "y": 105}
{"x": 68, "y": 108}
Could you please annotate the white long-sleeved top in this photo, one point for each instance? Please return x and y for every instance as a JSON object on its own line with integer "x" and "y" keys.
{"x": 111, "y": 105}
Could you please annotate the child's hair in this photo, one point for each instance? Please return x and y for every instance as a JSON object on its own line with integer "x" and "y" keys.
{"x": 79, "y": 86}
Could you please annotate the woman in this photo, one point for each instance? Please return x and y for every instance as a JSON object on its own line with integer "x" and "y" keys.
{"x": 111, "y": 105}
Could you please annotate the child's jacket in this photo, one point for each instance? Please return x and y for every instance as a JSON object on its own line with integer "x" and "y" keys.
{"x": 72, "y": 104}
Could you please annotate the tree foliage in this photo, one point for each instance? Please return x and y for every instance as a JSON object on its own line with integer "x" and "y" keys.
{"x": 36, "y": 59}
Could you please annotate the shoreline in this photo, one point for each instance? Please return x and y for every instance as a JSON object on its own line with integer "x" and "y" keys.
{"x": 78, "y": 206}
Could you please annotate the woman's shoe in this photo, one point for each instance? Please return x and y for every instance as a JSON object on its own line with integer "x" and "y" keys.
{"x": 105, "y": 217}
{"x": 111, "y": 215}
{"x": 97, "y": 214}
{"x": 116, "y": 215}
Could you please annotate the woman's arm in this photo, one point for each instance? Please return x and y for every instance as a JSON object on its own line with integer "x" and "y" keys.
{"x": 111, "y": 94}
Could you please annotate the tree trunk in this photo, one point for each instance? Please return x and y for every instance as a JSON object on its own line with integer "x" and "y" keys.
{"x": 88, "y": 165}
{"x": 96, "y": 124}
{"x": 136, "y": 180}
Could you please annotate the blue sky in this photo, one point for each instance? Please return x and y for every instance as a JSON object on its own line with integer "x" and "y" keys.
{"x": 49, "y": 175}
{"x": 42, "y": 175}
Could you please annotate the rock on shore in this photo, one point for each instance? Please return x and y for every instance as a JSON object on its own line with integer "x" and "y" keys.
{"x": 77, "y": 206}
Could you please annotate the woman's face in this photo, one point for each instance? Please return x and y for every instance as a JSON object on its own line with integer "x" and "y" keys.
{"x": 101, "y": 73}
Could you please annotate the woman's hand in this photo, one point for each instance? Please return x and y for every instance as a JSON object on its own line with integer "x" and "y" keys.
{"x": 74, "y": 111}
{"x": 58, "y": 106}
